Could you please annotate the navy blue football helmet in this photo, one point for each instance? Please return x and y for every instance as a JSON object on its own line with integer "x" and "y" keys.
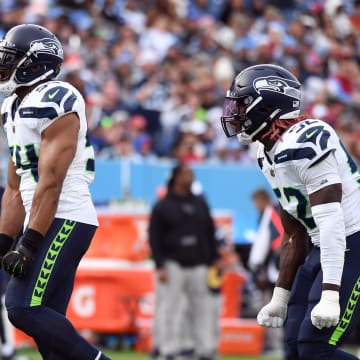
{"x": 258, "y": 95}
{"x": 28, "y": 54}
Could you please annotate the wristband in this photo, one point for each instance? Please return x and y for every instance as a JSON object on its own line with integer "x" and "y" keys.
{"x": 5, "y": 243}
{"x": 281, "y": 294}
{"x": 31, "y": 240}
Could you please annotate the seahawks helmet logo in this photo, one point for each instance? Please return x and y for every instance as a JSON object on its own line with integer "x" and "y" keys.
{"x": 278, "y": 85}
{"x": 46, "y": 46}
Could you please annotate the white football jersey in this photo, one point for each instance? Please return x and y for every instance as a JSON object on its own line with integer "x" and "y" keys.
{"x": 44, "y": 105}
{"x": 299, "y": 164}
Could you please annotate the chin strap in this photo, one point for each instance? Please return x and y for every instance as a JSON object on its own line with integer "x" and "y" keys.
{"x": 11, "y": 85}
{"x": 246, "y": 139}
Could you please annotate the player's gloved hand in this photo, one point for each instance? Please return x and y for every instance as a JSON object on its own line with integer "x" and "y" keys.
{"x": 18, "y": 261}
{"x": 326, "y": 312}
{"x": 274, "y": 313}
{"x": 5, "y": 244}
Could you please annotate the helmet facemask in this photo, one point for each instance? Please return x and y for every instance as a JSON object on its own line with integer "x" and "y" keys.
{"x": 16, "y": 67}
{"x": 236, "y": 120}
{"x": 9, "y": 60}
{"x": 9, "y": 63}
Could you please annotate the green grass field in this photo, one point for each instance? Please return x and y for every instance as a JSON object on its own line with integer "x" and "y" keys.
{"x": 34, "y": 355}
{"x": 118, "y": 355}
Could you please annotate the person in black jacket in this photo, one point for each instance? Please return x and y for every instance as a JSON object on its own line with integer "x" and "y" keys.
{"x": 183, "y": 244}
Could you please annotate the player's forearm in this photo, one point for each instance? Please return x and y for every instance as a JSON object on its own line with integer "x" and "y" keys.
{"x": 293, "y": 254}
{"x": 12, "y": 213}
{"x": 44, "y": 205}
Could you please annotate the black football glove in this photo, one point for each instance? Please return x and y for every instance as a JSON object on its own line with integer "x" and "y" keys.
{"x": 18, "y": 261}
{"x": 6, "y": 242}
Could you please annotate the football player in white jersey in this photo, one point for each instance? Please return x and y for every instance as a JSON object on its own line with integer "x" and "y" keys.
{"x": 47, "y": 196}
{"x": 316, "y": 181}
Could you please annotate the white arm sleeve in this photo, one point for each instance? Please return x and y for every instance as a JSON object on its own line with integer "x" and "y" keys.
{"x": 330, "y": 222}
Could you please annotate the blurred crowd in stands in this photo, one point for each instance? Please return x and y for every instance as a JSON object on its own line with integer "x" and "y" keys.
{"x": 154, "y": 72}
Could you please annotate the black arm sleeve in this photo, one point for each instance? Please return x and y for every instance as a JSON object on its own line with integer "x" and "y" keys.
{"x": 156, "y": 235}
{"x": 212, "y": 242}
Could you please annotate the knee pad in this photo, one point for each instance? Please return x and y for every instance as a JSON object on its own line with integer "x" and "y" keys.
{"x": 315, "y": 351}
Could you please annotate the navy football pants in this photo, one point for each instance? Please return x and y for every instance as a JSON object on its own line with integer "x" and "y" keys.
{"x": 37, "y": 303}
{"x": 303, "y": 341}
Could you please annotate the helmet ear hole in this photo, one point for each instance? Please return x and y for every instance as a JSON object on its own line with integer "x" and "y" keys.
{"x": 266, "y": 109}
{"x": 57, "y": 69}
{"x": 35, "y": 68}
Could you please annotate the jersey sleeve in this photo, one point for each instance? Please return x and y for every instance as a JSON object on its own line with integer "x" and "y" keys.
{"x": 6, "y": 107}
{"x": 322, "y": 174}
{"x": 318, "y": 166}
{"x": 55, "y": 101}
{"x": 5, "y": 110}
{"x": 260, "y": 156}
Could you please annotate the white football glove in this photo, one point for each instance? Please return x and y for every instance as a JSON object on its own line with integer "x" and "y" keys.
{"x": 326, "y": 312}
{"x": 274, "y": 313}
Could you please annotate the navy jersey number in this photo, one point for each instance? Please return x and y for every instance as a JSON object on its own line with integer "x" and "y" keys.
{"x": 31, "y": 159}
{"x": 302, "y": 207}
